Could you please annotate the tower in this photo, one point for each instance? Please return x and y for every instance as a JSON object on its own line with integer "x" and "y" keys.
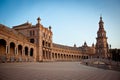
{"x": 101, "y": 41}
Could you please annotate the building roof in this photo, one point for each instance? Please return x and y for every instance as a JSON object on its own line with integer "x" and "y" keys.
{"x": 11, "y": 32}
{"x": 65, "y": 46}
{"x": 26, "y": 24}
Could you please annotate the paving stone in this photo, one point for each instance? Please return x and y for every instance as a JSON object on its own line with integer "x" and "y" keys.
{"x": 54, "y": 71}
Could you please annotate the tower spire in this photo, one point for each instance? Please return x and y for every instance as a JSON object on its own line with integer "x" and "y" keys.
{"x": 101, "y": 23}
{"x": 101, "y": 44}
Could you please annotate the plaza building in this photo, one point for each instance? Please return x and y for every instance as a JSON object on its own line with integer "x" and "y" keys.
{"x": 27, "y": 42}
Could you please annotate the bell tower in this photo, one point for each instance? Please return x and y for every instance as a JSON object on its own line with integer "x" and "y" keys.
{"x": 101, "y": 41}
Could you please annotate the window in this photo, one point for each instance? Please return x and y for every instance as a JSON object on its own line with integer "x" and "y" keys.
{"x": 43, "y": 34}
{"x": 32, "y": 40}
{"x": 48, "y": 44}
{"x": 32, "y": 33}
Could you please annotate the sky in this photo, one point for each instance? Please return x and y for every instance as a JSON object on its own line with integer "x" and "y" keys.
{"x": 72, "y": 21}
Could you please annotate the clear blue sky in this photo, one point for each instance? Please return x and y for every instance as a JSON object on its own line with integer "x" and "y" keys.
{"x": 72, "y": 21}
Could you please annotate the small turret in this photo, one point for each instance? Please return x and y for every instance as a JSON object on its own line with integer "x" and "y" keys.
{"x": 50, "y": 28}
{"x": 93, "y": 45}
{"x": 85, "y": 44}
{"x": 74, "y": 45}
{"x": 38, "y": 19}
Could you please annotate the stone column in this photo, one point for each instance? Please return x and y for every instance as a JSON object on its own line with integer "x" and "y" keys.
{"x": 15, "y": 51}
{"x": 47, "y": 56}
{"x": 51, "y": 56}
{"x": 22, "y": 52}
{"x": 28, "y": 55}
{"x": 44, "y": 54}
{"x": 6, "y": 49}
{"x": 28, "y": 52}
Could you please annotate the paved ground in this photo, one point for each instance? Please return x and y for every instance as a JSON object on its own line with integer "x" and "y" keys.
{"x": 102, "y": 63}
{"x": 54, "y": 71}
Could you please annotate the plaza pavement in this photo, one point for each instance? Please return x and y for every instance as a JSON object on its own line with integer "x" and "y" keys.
{"x": 54, "y": 71}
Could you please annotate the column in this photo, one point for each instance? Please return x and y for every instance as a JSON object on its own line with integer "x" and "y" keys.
{"x": 22, "y": 51}
{"x": 50, "y": 55}
{"x": 6, "y": 49}
{"x": 45, "y": 54}
{"x": 15, "y": 51}
{"x": 28, "y": 51}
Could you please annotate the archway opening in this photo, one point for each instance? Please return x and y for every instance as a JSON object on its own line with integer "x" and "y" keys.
{"x": 2, "y": 46}
{"x": 31, "y": 52}
{"x": 20, "y": 49}
{"x": 12, "y": 48}
{"x": 26, "y": 51}
{"x": 52, "y": 55}
{"x": 55, "y": 55}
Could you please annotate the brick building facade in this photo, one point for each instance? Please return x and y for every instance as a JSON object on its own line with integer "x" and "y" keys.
{"x": 27, "y": 42}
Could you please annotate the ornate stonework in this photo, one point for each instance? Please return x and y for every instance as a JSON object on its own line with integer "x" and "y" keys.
{"x": 101, "y": 44}
{"x": 27, "y": 42}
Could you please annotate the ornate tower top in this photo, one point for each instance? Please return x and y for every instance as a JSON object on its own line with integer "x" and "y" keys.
{"x": 101, "y": 23}
{"x": 38, "y": 19}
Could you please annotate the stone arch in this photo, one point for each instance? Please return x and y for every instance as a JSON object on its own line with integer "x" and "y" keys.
{"x": 26, "y": 51}
{"x": 53, "y": 55}
{"x": 12, "y": 48}
{"x": 64, "y": 56}
{"x": 2, "y": 46}
{"x": 72, "y": 56}
{"x": 31, "y": 51}
{"x": 56, "y": 55}
{"x": 20, "y": 49}
{"x": 69, "y": 56}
